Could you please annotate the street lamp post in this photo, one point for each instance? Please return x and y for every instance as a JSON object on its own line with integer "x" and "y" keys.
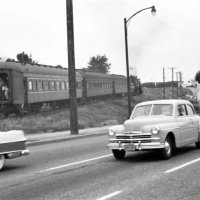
{"x": 153, "y": 11}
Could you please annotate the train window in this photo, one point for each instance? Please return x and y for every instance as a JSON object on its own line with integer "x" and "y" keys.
{"x": 78, "y": 85}
{"x": 67, "y": 85}
{"x": 39, "y": 86}
{"x": 30, "y": 86}
{"x": 34, "y": 86}
{"x": 46, "y": 85}
{"x": 62, "y": 85}
{"x": 88, "y": 85}
{"x": 52, "y": 85}
{"x": 57, "y": 85}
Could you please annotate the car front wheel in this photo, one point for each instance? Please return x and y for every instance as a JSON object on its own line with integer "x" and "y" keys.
{"x": 2, "y": 161}
{"x": 197, "y": 145}
{"x": 167, "y": 150}
{"x": 119, "y": 154}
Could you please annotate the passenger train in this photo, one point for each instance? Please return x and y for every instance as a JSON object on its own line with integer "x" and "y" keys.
{"x": 24, "y": 88}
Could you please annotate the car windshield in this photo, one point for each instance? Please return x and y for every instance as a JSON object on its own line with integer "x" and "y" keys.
{"x": 157, "y": 109}
{"x": 141, "y": 111}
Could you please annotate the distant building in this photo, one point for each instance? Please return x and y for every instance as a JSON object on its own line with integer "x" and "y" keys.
{"x": 189, "y": 83}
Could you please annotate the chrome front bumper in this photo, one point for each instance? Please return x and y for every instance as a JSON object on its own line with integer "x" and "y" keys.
{"x": 135, "y": 146}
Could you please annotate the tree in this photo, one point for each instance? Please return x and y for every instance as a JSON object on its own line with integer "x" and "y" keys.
{"x": 25, "y": 59}
{"x": 99, "y": 64}
{"x": 10, "y": 60}
{"x": 197, "y": 77}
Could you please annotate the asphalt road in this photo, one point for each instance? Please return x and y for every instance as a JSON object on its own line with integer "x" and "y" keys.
{"x": 84, "y": 169}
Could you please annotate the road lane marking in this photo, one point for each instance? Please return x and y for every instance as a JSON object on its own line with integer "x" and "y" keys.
{"x": 110, "y": 195}
{"x": 181, "y": 166}
{"x": 76, "y": 163}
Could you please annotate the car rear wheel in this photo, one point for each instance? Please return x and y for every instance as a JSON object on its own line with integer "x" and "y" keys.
{"x": 2, "y": 161}
{"x": 119, "y": 154}
{"x": 167, "y": 150}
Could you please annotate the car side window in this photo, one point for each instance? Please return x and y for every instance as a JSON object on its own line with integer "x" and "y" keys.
{"x": 181, "y": 110}
{"x": 190, "y": 110}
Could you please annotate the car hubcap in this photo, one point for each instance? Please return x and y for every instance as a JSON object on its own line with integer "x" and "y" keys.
{"x": 167, "y": 147}
{"x": 2, "y": 160}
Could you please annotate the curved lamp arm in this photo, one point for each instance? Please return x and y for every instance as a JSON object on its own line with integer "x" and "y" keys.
{"x": 153, "y": 11}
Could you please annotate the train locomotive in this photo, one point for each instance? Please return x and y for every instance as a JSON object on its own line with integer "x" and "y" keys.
{"x": 25, "y": 88}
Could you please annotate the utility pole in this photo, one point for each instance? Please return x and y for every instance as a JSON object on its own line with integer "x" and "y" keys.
{"x": 172, "y": 68}
{"x": 177, "y": 73}
{"x": 164, "y": 82}
{"x": 71, "y": 69}
{"x": 180, "y": 75}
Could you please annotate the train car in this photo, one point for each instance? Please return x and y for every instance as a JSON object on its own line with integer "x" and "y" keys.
{"x": 96, "y": 86}
{"x": 119, "y": 83}
{"x": 31, "y": 86}
{"x": 24, "y": 88}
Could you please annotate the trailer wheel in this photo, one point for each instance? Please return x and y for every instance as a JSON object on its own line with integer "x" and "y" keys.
{"x": 2, "y": 161}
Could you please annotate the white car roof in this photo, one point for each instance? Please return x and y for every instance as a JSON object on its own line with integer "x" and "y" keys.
{"x": 164, "y": 101}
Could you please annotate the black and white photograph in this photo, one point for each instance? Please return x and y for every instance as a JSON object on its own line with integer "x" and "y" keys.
{"x": 99, "y": 100}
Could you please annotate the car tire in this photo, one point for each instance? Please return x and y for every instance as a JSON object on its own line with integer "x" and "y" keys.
{"x": 197, "y": 145}
{"x": 118, "y": 154}
{"x": 166, "y": 152}
{"x": 2, "y": 161}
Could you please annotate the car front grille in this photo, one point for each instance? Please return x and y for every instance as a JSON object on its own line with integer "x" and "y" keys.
{"x": 132, "y": 138}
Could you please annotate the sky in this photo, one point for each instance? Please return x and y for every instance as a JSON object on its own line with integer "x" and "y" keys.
{"x": 169, "y": 39}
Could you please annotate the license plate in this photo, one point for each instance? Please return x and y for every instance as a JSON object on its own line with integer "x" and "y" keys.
{"x": 129, "y": 147}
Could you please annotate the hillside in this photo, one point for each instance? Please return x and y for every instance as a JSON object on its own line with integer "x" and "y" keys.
{"x": 96, "y": 114}
{"x": 157, "y": 93}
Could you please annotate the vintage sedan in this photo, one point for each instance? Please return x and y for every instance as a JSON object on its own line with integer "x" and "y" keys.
{"x": 12, "y": 145}
{"x": 161, "y": 125}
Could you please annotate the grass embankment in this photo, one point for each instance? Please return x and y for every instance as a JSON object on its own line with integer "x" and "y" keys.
{"x": 93, "y": 115}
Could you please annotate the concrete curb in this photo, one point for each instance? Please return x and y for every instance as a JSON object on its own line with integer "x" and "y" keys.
{"x": 61, "y": 139}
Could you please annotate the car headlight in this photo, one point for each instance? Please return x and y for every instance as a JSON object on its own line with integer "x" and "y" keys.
{"x": 155, "y": 130}
{"x": 112, "y": 131}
